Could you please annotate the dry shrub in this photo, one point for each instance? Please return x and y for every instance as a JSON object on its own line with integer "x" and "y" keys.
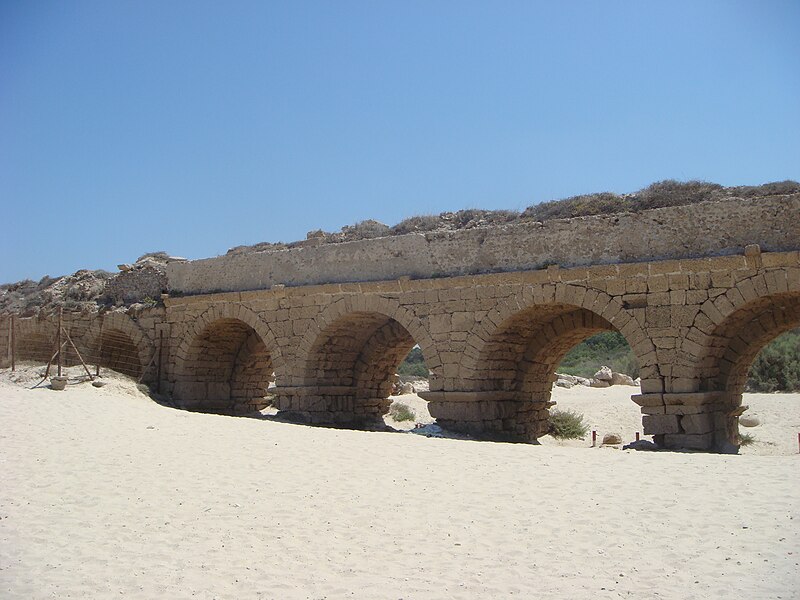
{"x": 419, "y": 223}
{"x": 365, "y": 230}
{"x": 578, "y": 206}
{"x": 775, "y": 188}
{"x": 567, "y": 425}
{"x": 676, "y": 193}
{"x": 402, "y": 412}
{"x": 746, "y": 439}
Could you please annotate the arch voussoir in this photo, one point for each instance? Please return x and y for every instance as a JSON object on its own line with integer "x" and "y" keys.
{"x": 225, "y": 360}
{"x": 510, "y": 357}
{"x": 345, "y": 361}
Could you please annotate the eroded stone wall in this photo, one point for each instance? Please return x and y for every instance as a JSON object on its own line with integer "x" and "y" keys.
{"x": 700, "y": 230}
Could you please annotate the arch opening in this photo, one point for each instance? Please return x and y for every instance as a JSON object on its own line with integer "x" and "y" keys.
{"x": 348, "y": 374}
{"x": 524, "y": 353}
{"x": 731, "y": 349}
{"x": 771, "y": 394}
{"x": 777, "y": 367}
{"x": 228, "y": 369}
{"x": 516, "y": 369}
{"x": 608, "y": 348}
{"x": 739, "y": 339}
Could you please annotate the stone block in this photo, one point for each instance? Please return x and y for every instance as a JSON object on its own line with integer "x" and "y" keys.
{"x": 683, "y": 385}
{"x": 636, "y": 285}
{"x": 648, "y": 399}
{"x": 683, "y": 409}
{"x": 190, "y": 391}
{"x": 659, "y": 424}
{"x": 658, "y": 316}
{"x": 218, "y": 391}
{"x": 689, "y": 441}
{"x": 658, "y": 283}
{"x": 776, "y": 282}
{"x": 696, "y": 296}
{"x": 678, "y": 281}
{"x": 652, "y": 386}
{"x": 677, "y": 297}
{"x": 779, "y": 259}
{"x": 664, "y": 267}
{"x": 793, "y": 279}
{"x": 659, "y": 299}
{"x": 697, "y": 423}
{"x": 665, "y": 342}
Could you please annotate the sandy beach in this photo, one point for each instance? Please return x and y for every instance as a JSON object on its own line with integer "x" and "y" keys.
{"x": 107, "y": 494}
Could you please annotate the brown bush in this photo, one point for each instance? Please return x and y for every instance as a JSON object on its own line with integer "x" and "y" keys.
{"x": 676, "y": 193}
{"x": 578, "y": 206}
{"x": 776, "y": 188}
{"x": 419, "y": 223}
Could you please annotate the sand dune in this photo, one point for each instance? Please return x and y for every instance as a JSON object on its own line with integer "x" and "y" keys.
{"x": 108, "y": 494}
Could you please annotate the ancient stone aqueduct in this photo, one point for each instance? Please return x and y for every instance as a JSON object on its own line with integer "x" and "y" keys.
{"x": 697, "y": 291}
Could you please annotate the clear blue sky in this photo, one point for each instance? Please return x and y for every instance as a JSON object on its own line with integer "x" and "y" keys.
{"x": 191, "y": 127}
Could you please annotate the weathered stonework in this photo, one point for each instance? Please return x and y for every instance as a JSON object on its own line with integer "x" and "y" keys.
{"x": 137, "y": 284}
{"x": 492, "y": 341}
{"x": 705, "y": 229}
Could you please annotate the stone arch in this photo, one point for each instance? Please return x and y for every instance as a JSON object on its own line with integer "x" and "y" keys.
{"x": 229, "y": 310}
{"x": 117, "y": 342}
{"x": 348, "y": 357}
{"x": 737, "y": 340}
{"x": 381, "y": 309}
{"x": 507, "y": 370}
{"x": 730, "y": 330}
{"x": 540, "y": 325}
{"x": 225, "y": 362}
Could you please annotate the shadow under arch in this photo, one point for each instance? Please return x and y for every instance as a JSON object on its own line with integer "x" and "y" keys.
{"x": 225, "y": 362}
{"x": 117, "y": 342}
{"x": 348, "y": 360}
{"x": 508, "y": 371}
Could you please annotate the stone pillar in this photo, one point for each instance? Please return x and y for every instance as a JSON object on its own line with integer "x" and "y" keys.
{"x": 705, "y": 421}
{"x": 499, "y": 415}
{"x": 329, "y": 405}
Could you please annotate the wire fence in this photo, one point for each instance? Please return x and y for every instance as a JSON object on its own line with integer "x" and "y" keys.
{"x": 114, "y": 350}
{"x": 60, "y": 342}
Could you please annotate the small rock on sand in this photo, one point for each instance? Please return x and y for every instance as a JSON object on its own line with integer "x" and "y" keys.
{"x": 749, "y": 421}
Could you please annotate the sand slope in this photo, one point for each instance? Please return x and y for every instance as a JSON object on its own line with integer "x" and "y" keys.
{"x": 107, "y": 494}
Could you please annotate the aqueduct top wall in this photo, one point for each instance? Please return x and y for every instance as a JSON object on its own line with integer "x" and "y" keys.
{"x": 692, "y": 231}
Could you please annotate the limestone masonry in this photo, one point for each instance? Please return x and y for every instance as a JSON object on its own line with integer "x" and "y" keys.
{"x": 705, "y": 229}
{"x": 696, "y": 290}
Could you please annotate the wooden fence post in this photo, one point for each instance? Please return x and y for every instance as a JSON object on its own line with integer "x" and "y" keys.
{"x": 60, "y": 326}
